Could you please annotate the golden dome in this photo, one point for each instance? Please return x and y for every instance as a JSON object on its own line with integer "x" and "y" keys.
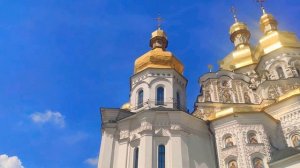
{"x": 238, "y": 28}
{"x": 242, "y": 55}
{"x": 268, "y": 23}
{"x": 273, "y": 39}
{"x": 158, "y": 57}
{"x": 126, "y": 106}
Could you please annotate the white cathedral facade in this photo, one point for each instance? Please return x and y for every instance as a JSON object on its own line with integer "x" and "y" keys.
{"x": 247, "y": 114}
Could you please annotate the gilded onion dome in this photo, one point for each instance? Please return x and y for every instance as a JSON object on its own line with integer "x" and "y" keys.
{"x": 242, "y": 54}
{"x": 273, "y": 39}
{"x": 158, "y": 57}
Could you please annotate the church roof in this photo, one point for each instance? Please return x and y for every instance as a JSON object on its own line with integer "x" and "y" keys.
{"x": 284, "y": 153}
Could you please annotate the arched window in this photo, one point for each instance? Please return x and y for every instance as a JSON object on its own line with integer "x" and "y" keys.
{"x": 228, "y": 141}
{"x": 161, "y": 156}
{"x": 140, "y": 98}
{"x": 178, "y": 103}
{"x": 136, "y": 158}
{"x": 252, "y": 138}
{"x": 258, "y": 163}
{"x": 232, "y": 164}
{"x": 160, "y": 96}
{"x": 296, "y": 140}
{"x": 280, "y": 72}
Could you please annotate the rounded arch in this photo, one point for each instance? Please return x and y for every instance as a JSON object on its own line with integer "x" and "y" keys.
{"x": 140, "y": 84}
{"x": 159, "y": 79}
{"x": 295, "y": 138}
{"x": 258, "y": 160}
{"x": 252, "y": 137}
{"x": 278, "y": 69}
{"x": 231, "y": 161}
{"x": 228, "y": 140}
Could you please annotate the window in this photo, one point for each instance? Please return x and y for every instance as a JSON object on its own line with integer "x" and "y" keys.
{"x": 136, "y": 158}
{"x": 160, "y": 96}
{"x": 178, "y": 104}
{"x": 296, "y": 140}
{"x": 252, "y": 138}
{"x": 161, "y": 156}
{"x": 280, "y": 72}
{"x": 140, "y": 98}
{"x": 258, "y": 163}
{"x": 232, "y": 164}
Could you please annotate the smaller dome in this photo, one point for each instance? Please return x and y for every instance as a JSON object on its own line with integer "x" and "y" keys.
{"x": 268, "y": 23}
{"x": 238, "y": 28}
{"x": 159, "y": 39}
{"x": 158, "y": 56}
{"x": 126, "y": 106}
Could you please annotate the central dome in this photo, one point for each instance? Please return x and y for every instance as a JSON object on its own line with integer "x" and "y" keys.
{"x": 158, "y": 57}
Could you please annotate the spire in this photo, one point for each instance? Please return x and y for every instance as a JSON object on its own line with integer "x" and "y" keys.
{"x": 239, "y": 33}
{"x": 159, "y": 37}
{"x": 267, "y": 21}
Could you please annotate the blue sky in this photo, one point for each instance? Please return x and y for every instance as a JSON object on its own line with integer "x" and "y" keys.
{"x": 62, "y": 60}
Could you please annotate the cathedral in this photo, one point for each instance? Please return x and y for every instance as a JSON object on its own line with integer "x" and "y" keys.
{"x": 246, "y": 115}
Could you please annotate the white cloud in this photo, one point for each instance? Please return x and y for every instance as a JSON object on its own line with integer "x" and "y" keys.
{"x": 10, "y": 162}
{"x": 92, "y": 161}
{"x": 48, "y": 117}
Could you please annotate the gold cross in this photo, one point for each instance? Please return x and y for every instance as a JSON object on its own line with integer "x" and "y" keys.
{"x": 159, "y": 21}
{"x": 234, "y": 12}
{"x": 261, "y": 2}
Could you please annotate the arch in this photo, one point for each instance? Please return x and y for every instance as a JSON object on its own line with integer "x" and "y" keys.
{"x": 232, "y": 164}
{"x": 140, "y": 98}
{"x": 228, "y": 141}
{"x": 252, "y": 137}
{"x": 280, "y": 72}
{"x": 160, "y": 95}
{"x": 295, "y": 139}
{"x": 257, "y": 162}
{"x": 136, "y": 158}
{"x": 161, "y": 156}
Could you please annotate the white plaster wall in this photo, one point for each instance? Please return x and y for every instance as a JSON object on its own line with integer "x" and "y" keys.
{"x": 186, "y": 139}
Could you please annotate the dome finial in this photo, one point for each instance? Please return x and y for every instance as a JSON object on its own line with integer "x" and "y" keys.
{"x": 234, "y": 12}
{"x": 261, "y": 3}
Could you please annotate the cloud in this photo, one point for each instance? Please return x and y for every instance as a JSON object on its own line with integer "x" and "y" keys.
{"x": 92, "y": 161}
{"x": 10, "y": 162}
{"x": 49, "y": 116}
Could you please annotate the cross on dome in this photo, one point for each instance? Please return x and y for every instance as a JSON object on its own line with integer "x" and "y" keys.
{"x": 234, "y": 12}
{"x": 261, "y": 3}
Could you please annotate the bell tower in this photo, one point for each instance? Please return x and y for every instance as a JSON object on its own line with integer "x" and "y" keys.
{"x": 158, "y": 79}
